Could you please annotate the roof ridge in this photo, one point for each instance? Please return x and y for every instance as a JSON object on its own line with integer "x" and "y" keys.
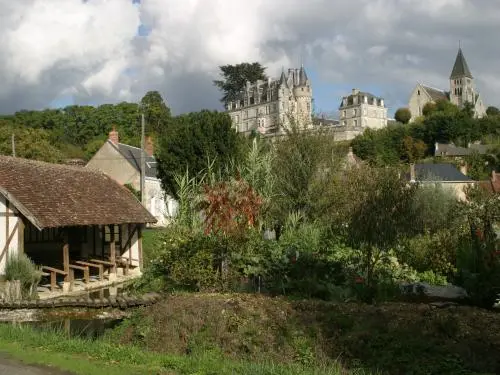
{"x": 432, "y": 87}
{"x": 52, "y": 165}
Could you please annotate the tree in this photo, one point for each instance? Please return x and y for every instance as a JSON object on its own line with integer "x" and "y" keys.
{"x": 192, "y": 141}
{"x": 492, "y": 111}
{"x": 235, "y": 78}
{"x": 403, "y": 115}
{"x": 156, "y": 112}
{"x": 428, "y": 109}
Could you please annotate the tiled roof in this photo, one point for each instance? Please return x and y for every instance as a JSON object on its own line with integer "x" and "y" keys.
{"x": 133, "y": 155}
{"x": 52, "y": 195}
{"x": 443, "y": 172}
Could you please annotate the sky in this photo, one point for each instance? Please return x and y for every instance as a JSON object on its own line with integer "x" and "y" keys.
{"x": 60, "y": 52}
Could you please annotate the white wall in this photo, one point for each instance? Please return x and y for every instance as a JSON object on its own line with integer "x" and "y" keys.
{"x": 13, "y": 247}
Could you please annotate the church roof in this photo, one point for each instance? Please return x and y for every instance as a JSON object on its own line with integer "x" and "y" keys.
{"x": 460, "y": 69}
{"x": 436, "y": 94}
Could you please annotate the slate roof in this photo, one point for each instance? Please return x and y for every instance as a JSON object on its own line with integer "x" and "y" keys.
{"x": 460, "y": 69}
{"x": 444, "y": 149}
{"x": 133, "y": 155}
{"x": 54, "y": 195}
{"x": 436, "y": 94}
{"x": 443, "y": 172}
{"x": 372, "y": 99}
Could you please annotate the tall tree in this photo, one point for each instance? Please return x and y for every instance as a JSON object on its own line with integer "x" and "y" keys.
{"x": 403, "y": 115}
{"x": 234, "y": 78}
{"x": 191, "y": 140}
{"x": 156, "y": 112}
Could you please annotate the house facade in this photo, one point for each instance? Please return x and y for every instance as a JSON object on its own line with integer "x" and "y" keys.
{"x": 362, "y": 110}
{"x": 269, "y": 106}
{"x": 122, "y": 162}
{"x": 462, "y": 90}
{"x": 60, "y": 215}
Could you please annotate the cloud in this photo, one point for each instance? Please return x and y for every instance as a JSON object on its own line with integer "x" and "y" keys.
{"x": 94, "y": 51}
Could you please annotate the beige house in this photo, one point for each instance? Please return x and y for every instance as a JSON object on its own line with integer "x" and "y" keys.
{"x": 123, "y": 163}
{"x": 444, "y": 174}
{"x": 462, "y": 90}
{"x": 362, "y": 110}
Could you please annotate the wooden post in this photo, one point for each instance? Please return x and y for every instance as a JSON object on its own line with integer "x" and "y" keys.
{"x": 139, "y": 243}
{"x": 67, "y": 277}
{"x": 20, "y": 235}
{"x": 7, "y": 225}
{"x": 112, "y": 248}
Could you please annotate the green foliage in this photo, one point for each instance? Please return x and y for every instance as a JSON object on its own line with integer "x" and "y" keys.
{"x": 192, "y": 140}
{"x": 21, "y": 267}
{"x": 402, "y": 115}
{"x": 156, "y": 112}
{"x": 234, "y": 78}
{"x": 137, "y": 193}
{"x": 492, "y": 111}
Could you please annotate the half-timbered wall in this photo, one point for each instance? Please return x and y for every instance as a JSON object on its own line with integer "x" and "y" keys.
{"x": 9, "y": 232}
{"x": 130, "y": 243}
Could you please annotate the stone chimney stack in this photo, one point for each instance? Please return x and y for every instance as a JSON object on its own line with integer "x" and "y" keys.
{"x": 493, "y": 176}
{"x": 149, "y": 146}
{"x": 412, "y": 172}
{"x": 355, "y": 91}
{"x": 113, "y": 136}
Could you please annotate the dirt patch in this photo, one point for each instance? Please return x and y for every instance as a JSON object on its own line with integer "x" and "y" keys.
{"x": 11, "y": 367}
{"x": 396, "y": 338}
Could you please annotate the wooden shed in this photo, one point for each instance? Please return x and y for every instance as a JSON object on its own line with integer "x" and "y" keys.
{"x": 68, "y": 219}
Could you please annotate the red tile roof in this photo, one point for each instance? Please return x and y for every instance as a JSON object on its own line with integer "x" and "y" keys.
{"x": 52, "y": 195}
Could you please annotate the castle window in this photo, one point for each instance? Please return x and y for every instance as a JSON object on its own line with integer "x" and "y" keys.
{"x": 354, "y": 112}
{"x": 344, "y": 113}
{"x": 308, "y": 106}
{"x": 355, "y": 123}
{"x": 252, "y": 100}
{"x": 301, "y": 89}
{"x": 242, "y": 103}
{"x": 418, "y": 92}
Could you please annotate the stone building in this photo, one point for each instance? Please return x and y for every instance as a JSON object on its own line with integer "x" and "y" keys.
{"x": 269, "y": 106}
{"x": 362, "y": 110}
{"x": 122, "y": 162}
{"x": 462, "y": 90}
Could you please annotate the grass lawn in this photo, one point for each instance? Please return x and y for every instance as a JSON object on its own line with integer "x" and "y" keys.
{"x": 85, "y": 357}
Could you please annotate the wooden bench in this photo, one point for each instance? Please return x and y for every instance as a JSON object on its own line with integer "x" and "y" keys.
{"x": 99, "y": 267}
{"x": 85, "y": 269}
{"x": 53, "y": 275}
{"x": 126, "y": 263}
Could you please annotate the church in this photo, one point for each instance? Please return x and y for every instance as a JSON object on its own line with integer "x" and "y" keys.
{"x": 462, "y": 90}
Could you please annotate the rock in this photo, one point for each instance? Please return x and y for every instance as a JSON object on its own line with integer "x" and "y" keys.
{"x": 434, "y": 292}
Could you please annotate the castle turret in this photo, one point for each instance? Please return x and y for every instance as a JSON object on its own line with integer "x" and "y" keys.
{"x": 303, "y": 95}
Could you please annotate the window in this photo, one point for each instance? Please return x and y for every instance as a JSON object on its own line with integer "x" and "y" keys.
{"x": 107, "y": 233}
{"x": 354, "y": 112}
{"x": 355, "y": 123}
{"x": 252, "y": 100}
{"x": 344, "y": 113}
{"x": 418, "y": 92}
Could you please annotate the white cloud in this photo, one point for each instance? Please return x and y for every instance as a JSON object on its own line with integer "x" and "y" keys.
{"x": 53, "y": 47}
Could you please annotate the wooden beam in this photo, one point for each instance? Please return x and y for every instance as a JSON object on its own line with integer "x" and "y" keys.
{"x": 7, "y": 224}
{"x": 67, "y": 278}
{"x": 20, "y": 235}
{"x": 20, "y": 207}
{"x": 112, "y": 248}
{"x": 128, "y": 244}
{"x": 7, "y": 243}
{"x": 139, "y": 243}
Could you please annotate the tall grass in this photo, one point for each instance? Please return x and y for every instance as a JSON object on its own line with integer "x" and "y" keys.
{"x": 21, "y": 267}
{"x": 21, "y": 341}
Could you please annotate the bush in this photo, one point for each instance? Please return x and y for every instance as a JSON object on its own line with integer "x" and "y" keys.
{"x": 21, "y": 267}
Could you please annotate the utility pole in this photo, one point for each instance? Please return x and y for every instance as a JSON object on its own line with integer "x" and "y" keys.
{"x": 143, "y": 162}
{"x": 13, "y": 145}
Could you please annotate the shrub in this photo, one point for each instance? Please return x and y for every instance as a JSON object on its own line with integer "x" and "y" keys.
{"x": 21, "y": 267}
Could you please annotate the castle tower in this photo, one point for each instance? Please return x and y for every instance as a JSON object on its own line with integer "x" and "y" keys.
{"x": 302, "y": 92}
{"x": 462, "y": 87}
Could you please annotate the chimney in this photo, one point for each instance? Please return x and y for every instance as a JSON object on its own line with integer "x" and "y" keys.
{"x": 355, "y": 91}
{"x": 412, "y": 172}
{"x": 464, "y": 168}
{"x": 149, "y": 146}
{"x": 113, "y": 136}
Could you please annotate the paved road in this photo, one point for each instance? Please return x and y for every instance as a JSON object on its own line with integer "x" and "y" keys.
{"x": 13, "y": 367}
